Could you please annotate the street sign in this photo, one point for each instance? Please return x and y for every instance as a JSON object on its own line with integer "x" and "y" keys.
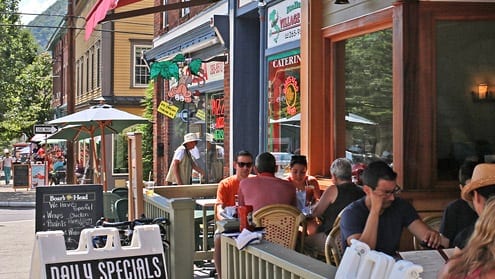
{"x": 45, "y": 129}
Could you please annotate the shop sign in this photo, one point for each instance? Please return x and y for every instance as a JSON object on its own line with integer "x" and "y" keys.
{"x": 284, "y": 23}
{"x": 167, "y": 109}
{"x": 200, "y": 114}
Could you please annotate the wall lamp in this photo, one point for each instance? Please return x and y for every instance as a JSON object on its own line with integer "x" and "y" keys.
{"x": 482, "y": 95}
{"x": 341, "y": 2}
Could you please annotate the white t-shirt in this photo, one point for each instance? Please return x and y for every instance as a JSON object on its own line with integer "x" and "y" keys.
{"x": 181, "y": 152}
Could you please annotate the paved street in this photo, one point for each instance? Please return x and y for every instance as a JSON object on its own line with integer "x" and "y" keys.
{"x": 16, "y": 242}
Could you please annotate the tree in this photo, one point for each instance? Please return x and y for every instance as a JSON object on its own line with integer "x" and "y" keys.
{"x": 25, "y": 82}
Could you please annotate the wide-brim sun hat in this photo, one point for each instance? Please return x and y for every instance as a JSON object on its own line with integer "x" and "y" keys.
{"x": 209, "y": 137}
{"x": 190, "y": 137}
{"x": 483, "y": 175}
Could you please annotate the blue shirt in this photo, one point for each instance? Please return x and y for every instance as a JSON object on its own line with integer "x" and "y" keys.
{"x": 391, "y": 222}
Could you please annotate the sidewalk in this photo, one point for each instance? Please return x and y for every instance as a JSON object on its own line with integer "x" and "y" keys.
{"x": 19, "y": 197}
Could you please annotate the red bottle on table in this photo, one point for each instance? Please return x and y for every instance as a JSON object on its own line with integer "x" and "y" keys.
{"x": 245, "y": 213}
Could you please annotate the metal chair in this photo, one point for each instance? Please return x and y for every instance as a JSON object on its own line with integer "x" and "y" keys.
{"x": 121, "y": 192}
{"x": 281, "y": 223}
{"x": 121, "y": 209}
{"x": 433, "y": 221}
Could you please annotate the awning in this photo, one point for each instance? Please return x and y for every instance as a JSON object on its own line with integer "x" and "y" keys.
{"x": 99, "y": 11}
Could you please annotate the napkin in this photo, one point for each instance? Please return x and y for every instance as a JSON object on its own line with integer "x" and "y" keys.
{"x": 247, "y": 237}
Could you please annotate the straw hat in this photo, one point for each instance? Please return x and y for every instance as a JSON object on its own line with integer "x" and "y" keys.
{"x": 190, "y": 137}
{"x": 483, "y": 175}
{"x": 209, "y": 137}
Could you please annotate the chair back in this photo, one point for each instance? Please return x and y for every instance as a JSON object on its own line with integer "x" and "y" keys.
{"x": 334, "y": 248}
{"x": 121, "y": 208}
{"x": 433, "y": 221}
{"x": 121, "y": 191}
{"x": 281, "y": 223}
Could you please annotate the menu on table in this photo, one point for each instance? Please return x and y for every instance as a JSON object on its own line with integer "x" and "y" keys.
{"x": 431, "y": 260}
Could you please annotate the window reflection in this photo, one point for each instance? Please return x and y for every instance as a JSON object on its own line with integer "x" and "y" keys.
{"x": 368, "y": 97}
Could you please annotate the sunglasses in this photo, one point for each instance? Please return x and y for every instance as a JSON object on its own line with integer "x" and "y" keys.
{"x": 243, "y": 164}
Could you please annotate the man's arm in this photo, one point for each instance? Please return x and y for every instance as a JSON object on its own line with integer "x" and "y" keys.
{"x": 176, "y": 171}
{"x": 370, "y": 231}
{"x": 430, "y": 237}
{"x": 328, "y": 197}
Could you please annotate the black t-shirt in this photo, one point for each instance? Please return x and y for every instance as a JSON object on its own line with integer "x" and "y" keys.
{"x": 463, "y": 236}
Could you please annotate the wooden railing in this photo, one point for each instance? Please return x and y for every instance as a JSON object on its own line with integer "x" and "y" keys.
{"x": 267, "y": 260}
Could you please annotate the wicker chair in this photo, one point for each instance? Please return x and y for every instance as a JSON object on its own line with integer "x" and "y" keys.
{"x": 334, "y": 248}
{"x": 281, "y": 223}
{"x": 433, "y": 221}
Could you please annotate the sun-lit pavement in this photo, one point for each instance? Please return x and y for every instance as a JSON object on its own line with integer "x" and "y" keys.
{"x": 17, "y": 234}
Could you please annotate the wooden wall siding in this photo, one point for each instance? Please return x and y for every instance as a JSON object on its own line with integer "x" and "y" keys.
{"x": 123, "y": 47}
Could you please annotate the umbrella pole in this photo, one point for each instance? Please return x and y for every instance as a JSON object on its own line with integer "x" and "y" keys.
{"x": 103, "y": 155}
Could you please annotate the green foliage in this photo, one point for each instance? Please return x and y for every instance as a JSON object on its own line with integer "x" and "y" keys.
{"x": 25, "y": 82}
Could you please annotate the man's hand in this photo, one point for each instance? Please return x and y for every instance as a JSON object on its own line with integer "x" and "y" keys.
{"x": 432, "y": 239}
{"x": 376, "y": 200}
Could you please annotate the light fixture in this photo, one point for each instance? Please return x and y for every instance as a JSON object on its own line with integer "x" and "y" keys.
{"x": 341, "y": 2}
{"x": 482, "y": 94}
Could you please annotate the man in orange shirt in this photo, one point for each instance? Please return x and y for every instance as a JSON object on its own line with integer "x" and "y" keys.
{"x": 226, "y": 195}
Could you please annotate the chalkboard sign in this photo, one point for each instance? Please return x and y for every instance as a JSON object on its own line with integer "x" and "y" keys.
{"x": 70, "y": 209}
{"x": 21, "y": 175}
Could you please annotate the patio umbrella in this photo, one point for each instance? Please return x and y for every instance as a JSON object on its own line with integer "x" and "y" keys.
{"x": 97, "y": 120}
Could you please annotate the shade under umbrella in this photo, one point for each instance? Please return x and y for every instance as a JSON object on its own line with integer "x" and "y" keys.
{"x": 102, "y": 119}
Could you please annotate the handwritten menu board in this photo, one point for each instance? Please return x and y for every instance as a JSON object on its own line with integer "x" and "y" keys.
{"x": 69, "y": 208}
{"x": 21, "y": 175}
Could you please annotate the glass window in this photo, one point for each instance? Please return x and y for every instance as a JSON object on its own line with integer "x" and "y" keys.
{"x": 284, "y": 107}
{"x": 463, "y": 119}
{"x": 368, "y": 97}
{"x": 141, "y": 70}
{"x": 184, "y": 11}
{"x": 120, "y": 164}
{"x": 165, "y": 16}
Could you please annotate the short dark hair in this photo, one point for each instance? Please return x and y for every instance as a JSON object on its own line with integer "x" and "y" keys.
{"x": 486, "y": 191}
{"x": 243, "y": 153}
{"x": 466, "y": 171}
{"x": 298, "y": 159}
{"x": 265, "y": 162}
{"x": 375, "y": 171}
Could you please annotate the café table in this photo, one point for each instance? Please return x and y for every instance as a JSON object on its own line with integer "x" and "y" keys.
{"x": 205, "y": 204}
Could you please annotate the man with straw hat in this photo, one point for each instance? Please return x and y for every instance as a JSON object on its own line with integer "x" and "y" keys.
{"x": 478, "y": 191}
{"x": 180, "y": 171}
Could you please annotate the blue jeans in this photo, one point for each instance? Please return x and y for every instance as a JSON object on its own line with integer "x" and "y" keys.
{"x": 6, "y": 170}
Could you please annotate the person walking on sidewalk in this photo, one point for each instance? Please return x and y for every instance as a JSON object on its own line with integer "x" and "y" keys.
{"x": 7, "y": 166}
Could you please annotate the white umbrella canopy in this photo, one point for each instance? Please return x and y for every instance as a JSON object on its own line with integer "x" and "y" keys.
{"x": 96, "y": 120}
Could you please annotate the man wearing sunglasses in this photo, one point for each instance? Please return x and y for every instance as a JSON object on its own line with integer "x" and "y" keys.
{"x": 378, "y": 218}
{"x": 226, "y": 195}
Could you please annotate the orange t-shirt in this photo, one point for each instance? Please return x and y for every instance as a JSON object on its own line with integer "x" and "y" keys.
{"x": 227, "y": 190}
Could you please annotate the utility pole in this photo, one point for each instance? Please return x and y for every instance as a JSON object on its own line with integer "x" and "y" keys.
{"x": 70, "y": 86}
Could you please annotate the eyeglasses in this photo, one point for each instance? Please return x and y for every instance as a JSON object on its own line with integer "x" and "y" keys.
{"x": 395, "y": 191}
{"x": 243, "y": 164}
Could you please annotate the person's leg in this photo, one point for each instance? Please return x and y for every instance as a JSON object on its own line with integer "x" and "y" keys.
{"x": 314, "y": 245}
{"x": 7, "y": 175}
{"x": 217, "y": 259}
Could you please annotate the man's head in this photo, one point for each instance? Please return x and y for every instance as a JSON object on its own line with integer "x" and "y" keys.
{"x": 379, "y": 179}
{"x": 265, "y": 162}
{"x": 341, "y": 170}
{"x": 243, "y": 164}
{"x": 481, "y": 187}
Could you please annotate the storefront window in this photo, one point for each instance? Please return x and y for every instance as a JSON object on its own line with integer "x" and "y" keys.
{"x": 368, "y": 97}
{"x": 201, "y": 111}
{"x": 284, "y": 106}
{"x": 463, "y": 118}
{"x": 120, "y": 162}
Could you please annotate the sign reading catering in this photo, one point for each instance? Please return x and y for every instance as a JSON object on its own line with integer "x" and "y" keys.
{"x": 284, "y": 23}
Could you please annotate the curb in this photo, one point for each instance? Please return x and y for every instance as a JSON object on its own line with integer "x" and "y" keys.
{"x": 17, "y": 204}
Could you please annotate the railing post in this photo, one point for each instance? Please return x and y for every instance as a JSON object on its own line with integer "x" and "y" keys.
{"x": 182, "y": 238}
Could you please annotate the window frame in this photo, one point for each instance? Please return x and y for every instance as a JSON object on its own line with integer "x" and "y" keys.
{"x": 134, "y": 66}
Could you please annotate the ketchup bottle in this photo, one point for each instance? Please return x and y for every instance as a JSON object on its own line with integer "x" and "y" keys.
{"x": 245, "y": 213}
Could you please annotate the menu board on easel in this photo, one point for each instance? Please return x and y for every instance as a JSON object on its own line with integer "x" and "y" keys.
{"x": 70, "y": 209}
{"x": 20, "y": 175}
{"x": 39, "y": 175}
